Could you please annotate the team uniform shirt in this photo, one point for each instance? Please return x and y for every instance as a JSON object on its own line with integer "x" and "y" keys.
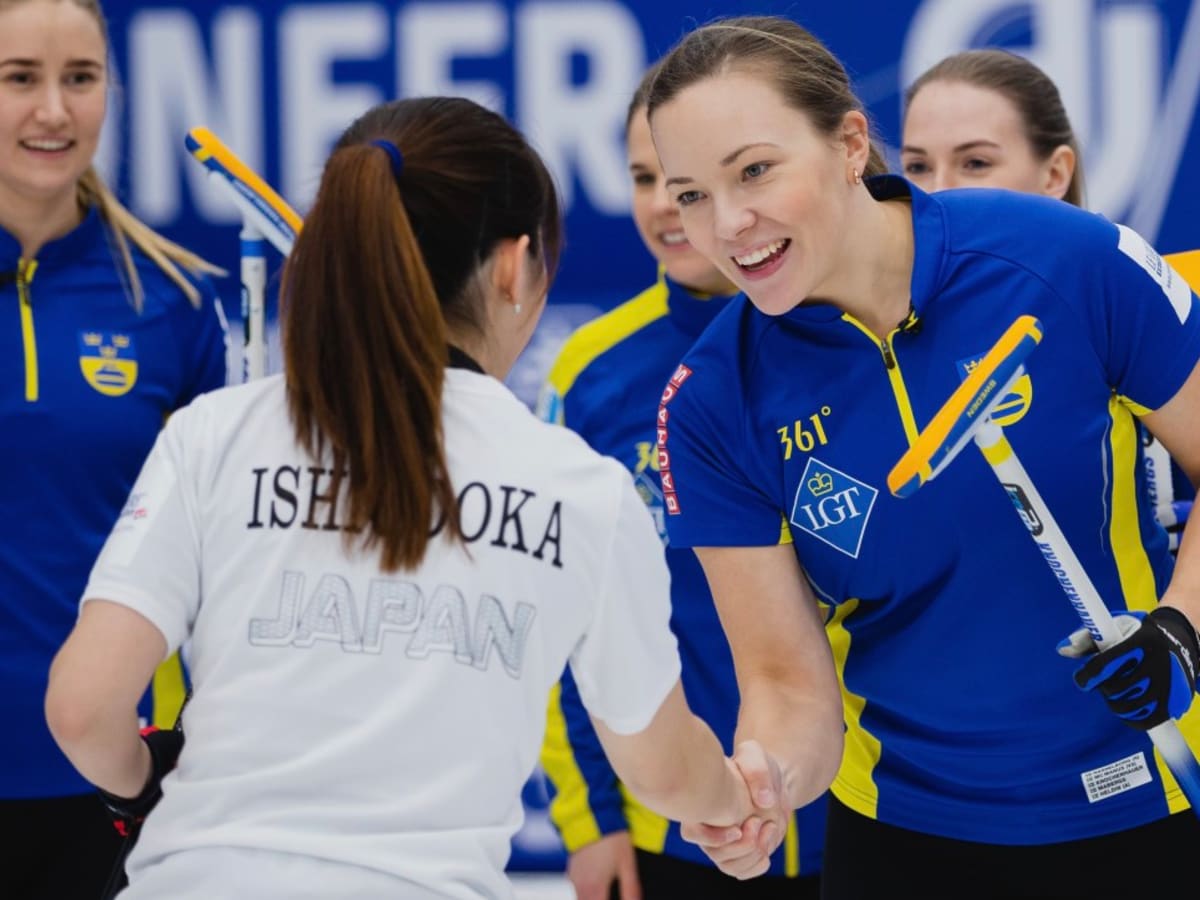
{"x": 1170, "y": 491}
{"x": 961, "y": 719}
{"x": 380, "y": 724}
{"x": 605, "y": 386}
{"x": 87, "y": 382}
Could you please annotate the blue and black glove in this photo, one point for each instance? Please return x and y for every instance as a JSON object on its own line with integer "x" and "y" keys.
{"x": 1149, "y": 675}
{"x": 129, "y": 812}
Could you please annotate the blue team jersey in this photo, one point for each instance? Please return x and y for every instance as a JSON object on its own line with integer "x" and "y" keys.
{"x": 85, "y": 385}
{"x": 605, "y": 386}
{"x": 961, "y": 719}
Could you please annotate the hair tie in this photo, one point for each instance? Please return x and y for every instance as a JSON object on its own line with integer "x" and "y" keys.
{"x": 394, "y": 154}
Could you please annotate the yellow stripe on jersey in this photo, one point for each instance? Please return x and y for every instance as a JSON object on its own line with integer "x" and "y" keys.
{"x": 1124, "y": 529}
{"x": 785, "y": 532}
{"x": 899, "y": 389}
{"x": 791, "y": 848}
{"x": 605, "y": 332}
{"x": 854, "y": 784}
{"x": 569, "y": 810}
{"x": 647, "y": 829}
{"x": 1133, "y": 564}
{"x": 1188, "y": 265}
{"x": 169, "y": 689}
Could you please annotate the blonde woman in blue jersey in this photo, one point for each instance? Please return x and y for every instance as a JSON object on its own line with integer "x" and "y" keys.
{"x": 107, "y": 328}
{"x": 969, "y": 758}
{"x": 990, "y": 118}
{"x": 617, "y": 848}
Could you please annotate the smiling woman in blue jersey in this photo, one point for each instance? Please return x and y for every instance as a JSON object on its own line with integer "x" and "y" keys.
{"x": 605, "y": 385}
{"x": 106, "y": 330}
{"x": 971, "y": 765}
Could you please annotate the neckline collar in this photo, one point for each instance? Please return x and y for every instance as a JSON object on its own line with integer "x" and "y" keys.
{"x": 460, "y": 360}
{"x": 61, "y": 251}
{"x": 691, "y": 312}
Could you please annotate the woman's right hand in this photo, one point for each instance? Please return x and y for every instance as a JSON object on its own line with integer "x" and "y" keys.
{"x": 744, "y": 851}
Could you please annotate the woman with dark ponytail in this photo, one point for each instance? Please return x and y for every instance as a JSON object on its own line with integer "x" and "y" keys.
{"x": 383, "y": 560}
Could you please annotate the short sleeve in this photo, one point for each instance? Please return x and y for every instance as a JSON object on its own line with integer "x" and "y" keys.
{"x": 711, "y": 498}
{"x": 628, "y": 660}
{"x": 1149, "y": 341}
{"x": 151, "y": 559}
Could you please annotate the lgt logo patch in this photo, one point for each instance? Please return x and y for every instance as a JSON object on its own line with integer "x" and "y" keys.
{"x": 833, "y": 507}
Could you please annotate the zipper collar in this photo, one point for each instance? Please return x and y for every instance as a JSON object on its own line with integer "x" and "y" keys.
{"x": 58, "y": 253}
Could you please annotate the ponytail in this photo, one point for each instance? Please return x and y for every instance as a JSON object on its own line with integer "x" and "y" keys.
{"x": 365, "y": 350}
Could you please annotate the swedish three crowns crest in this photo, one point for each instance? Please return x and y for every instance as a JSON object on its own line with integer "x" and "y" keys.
{"x": 108, "y": 361}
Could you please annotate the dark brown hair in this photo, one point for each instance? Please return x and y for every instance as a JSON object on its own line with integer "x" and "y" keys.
{"x": 806, "y": 74}
{"x": 385, "y": 263}
{"x": 1026, "y": 87}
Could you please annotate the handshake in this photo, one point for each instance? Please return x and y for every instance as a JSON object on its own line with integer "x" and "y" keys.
{"x": 743, "y": 849}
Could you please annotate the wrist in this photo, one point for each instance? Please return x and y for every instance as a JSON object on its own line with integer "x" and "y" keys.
{"x": 158, "y": 752}
{"x": 1182, "y": 633}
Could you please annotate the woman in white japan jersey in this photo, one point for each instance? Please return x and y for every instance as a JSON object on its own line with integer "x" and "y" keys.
{"x": 383, "y": 561}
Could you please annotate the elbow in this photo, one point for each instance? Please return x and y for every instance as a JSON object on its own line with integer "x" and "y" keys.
{"x": 828, "y": 760}
{"x": 70, "y": 721}
{"x": 71, "y": 713}
{"x": 831, "y": 761}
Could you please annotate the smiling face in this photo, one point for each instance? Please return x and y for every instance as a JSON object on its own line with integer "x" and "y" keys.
{"x": 761, "y": 192}
{"x": 657, "y": 217}
{"x": 52, "y": 98}
{"x": 959, "y": 135}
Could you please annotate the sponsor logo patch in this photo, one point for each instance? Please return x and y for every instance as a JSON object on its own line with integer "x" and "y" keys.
{"x": 833, "y": 507}
{"x": 670, "y": 498}
{"x": 1173, "y": 286}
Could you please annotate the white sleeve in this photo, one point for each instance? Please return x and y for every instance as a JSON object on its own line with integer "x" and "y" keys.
{"x": 628, "y": 660}
{"x": 151, "y": 559}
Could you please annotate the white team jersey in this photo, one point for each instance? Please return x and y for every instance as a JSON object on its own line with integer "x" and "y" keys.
{"x": 380, "y": 721}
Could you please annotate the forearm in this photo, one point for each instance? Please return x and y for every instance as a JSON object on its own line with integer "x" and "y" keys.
{"x": 107, "y": 750}
{"x": 1183, "y": 592}
{"x": 91, "y": 700}
{"x": 677, "y": 767}
{"x": 804, "y": 734}
{"x": 697, "y": 782}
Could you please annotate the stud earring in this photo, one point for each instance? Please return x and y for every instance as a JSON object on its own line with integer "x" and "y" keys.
{"x": 516, "y": 309}
{"x": 857, "y": 177}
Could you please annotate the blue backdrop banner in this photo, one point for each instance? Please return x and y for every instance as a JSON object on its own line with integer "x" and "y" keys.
{"x": 278, "y": 81}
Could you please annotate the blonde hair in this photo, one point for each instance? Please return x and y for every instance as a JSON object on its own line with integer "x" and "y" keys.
{"x": 125, "y": 226}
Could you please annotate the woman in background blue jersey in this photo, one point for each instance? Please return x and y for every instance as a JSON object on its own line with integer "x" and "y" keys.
{"x": 629, "y": 353}
{"x": 990, "y": 118}
{"x": 104, "y": 335}
{"x": 971, "y": 765}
